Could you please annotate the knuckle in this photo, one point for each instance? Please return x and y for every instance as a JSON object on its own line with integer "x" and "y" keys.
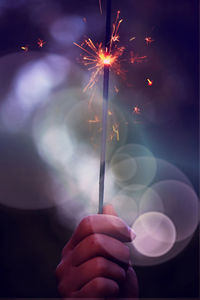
{"x": 99, "y": 284}
{"x": 102, "y": 285}
{"x": 85, "y": 222}
{"x": 95, "y": 242}
{"x": 101, "y": 265}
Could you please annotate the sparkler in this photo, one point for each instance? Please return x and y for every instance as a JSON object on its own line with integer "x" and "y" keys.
{"x": 108, "y": 45}
{"x": 101, "y": 59}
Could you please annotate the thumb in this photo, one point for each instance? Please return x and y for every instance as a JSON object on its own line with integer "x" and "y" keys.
{"x": 108, "y": 209}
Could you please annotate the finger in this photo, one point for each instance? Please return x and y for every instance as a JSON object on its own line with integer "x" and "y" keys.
{"x": 130, "y": 285}
{"x": 98, "y": 287}
{"x": 93, "y": 268}
{"x": 108, "y": 209}
{"x": 104, "y": 224}
{"x": 100, "y": 245}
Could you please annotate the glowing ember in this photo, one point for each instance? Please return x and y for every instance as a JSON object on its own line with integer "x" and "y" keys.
{"x": 135, "y": 58}
{"x": 24, "y": 48}
{"x": 106, "y": 59}
{"x": 148, "y": 40}
{"x": 110, "y": 113}
{"x": 41, "y": 43}
{"x": 150, "y": 82}
{"x": 136, "y": 110}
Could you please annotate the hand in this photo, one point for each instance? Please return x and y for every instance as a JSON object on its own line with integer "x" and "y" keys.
{"x": 95, "y": 262}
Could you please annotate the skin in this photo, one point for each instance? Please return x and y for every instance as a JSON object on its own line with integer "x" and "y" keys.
{"x": 95, "y": 261}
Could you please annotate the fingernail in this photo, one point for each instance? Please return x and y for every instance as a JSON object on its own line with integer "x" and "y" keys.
{"x": 132, "y": 234}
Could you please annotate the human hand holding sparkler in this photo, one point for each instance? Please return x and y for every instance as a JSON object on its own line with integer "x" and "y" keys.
{"x": 95, "y": 262}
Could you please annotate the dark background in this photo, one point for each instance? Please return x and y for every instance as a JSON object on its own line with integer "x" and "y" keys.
{"x": 31, "y": 241}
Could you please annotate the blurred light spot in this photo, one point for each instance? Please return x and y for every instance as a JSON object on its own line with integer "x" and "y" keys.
{"x": 133, "y": 166}
{"x": 55, "y": 146}
{"x": 68, "y": 29}
{"x": 167, "y": 171}
{"x": 32, "y": 86}
{"x": 36, "y": 80}
{"x": 180, "y": 204}
{"x": 155, "y": 234}
{"x": 150, "y": 201}
{"x": 125, "y": 206}
{"x": 124, "y": 167}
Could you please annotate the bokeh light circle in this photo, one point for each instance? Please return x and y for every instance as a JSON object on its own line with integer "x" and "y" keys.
{"x": 180, "y": 204}
{"x": 133, "y": 166}
{"x": 155, "y": 234}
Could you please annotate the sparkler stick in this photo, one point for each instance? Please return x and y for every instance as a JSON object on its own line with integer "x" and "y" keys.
{"x": 105, "y": 109}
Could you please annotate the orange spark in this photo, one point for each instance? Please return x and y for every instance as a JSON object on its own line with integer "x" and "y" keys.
{"x": 150, "y": 82}
{"x": 41, "y": 43}
{"x": 136, "y": 110}
{"x": 148, "y": 40}
{"x": 135, "y": 58}
{"x": 25, "y": 48}
{"x": 116, "y": 89}
{"x": 115, "y": 128}
{"x": 110, "y": 113}
{"x": 96, "y": 120}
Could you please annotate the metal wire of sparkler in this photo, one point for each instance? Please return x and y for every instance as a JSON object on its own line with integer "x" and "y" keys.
{"x": 105, "y": 109}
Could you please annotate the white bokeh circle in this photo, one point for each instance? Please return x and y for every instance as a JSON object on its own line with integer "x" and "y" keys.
{"x": 155, "y": 234}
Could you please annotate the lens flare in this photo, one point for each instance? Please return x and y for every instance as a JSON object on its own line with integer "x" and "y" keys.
{"x": 155, "y": 234}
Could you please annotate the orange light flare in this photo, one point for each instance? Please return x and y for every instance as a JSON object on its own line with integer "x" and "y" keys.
{"x": 136, "y": 59}
{"x": 116, "y": 89}
{"x": 115, "y": 131}
{"x": 96, "y": 57}
{"x": 41, "y": 43}
{"x": 150, "y": 82}
{"x": 148, "y": 40}
{"x": 94, "y": 121}
{"x": 136, "y": 110}
{"x": 24, "y": 48}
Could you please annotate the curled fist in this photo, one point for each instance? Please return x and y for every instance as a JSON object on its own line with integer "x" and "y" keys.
{"x": 95, "y": 261}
